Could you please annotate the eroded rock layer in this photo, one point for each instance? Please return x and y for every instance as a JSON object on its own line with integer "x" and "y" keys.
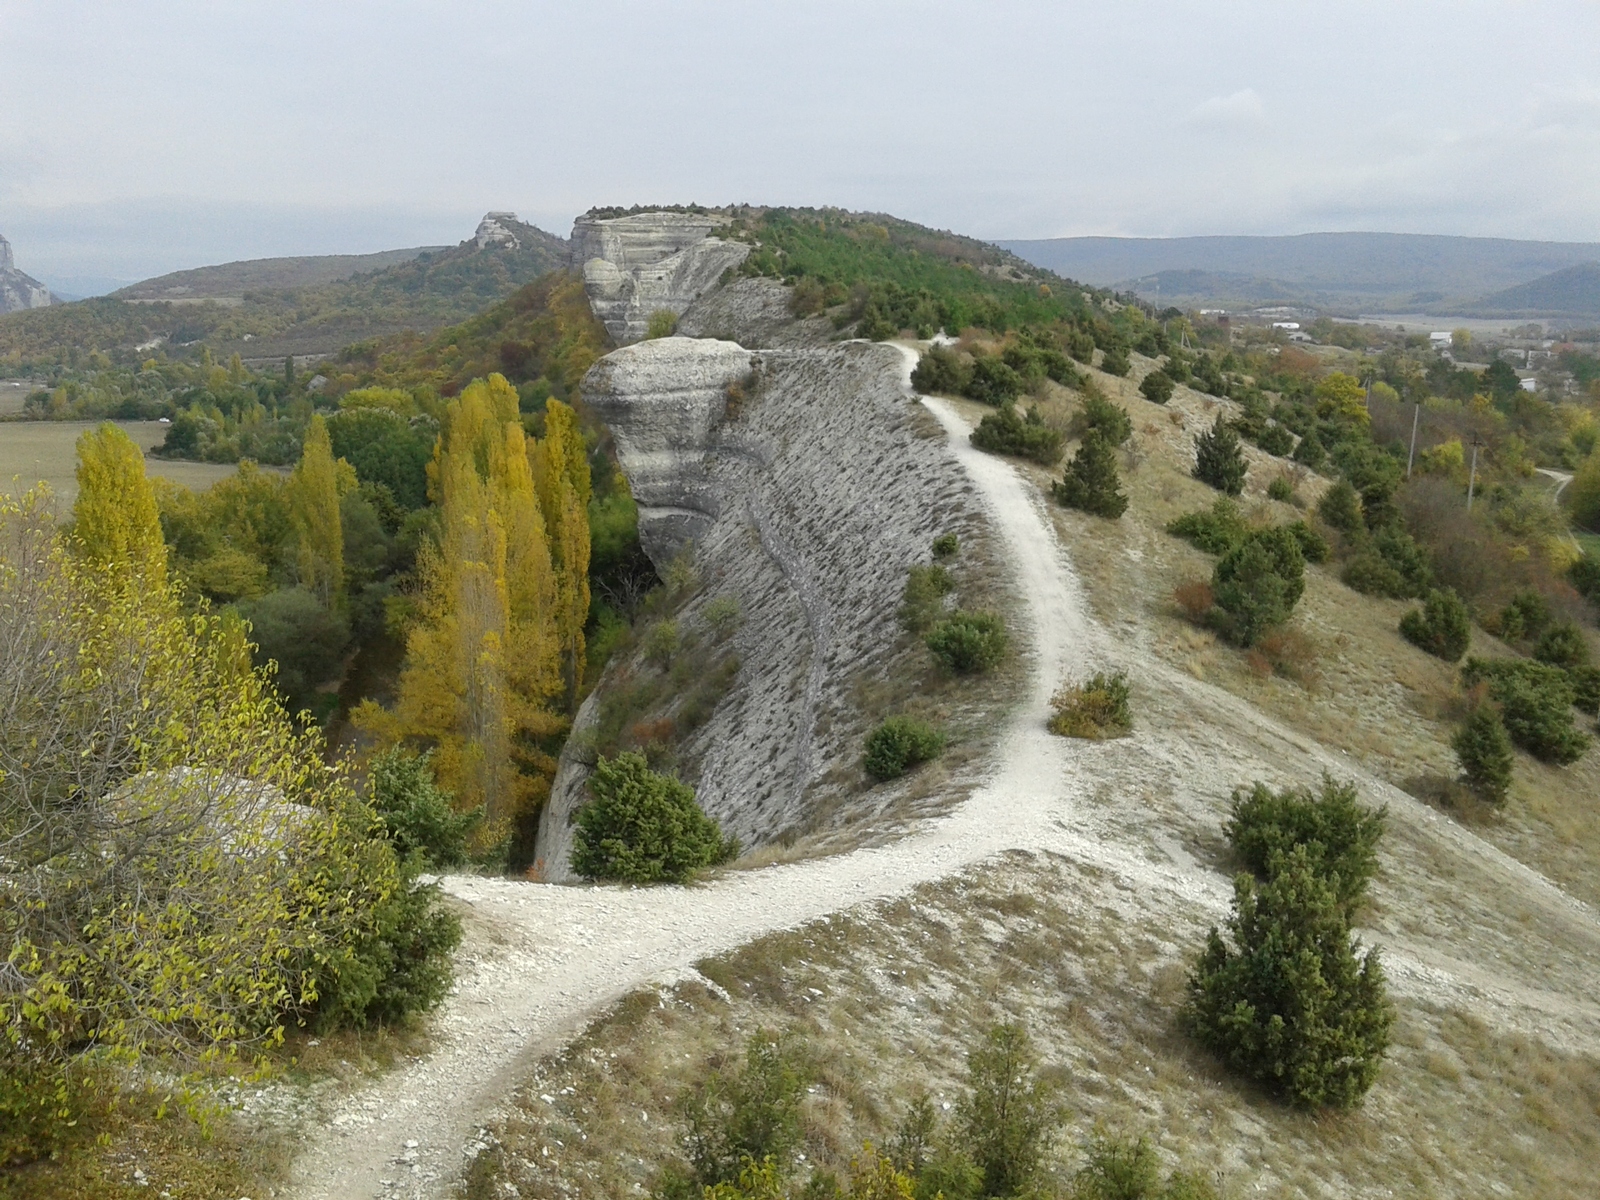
{"x": 805, "y": 502}
{"x": 19, "y": 291}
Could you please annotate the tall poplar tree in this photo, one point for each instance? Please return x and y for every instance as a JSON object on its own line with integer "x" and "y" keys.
{"x": 561, "y": 476}
{"x": 482, "y": 679}
{"x": 314, "y": 512}
{"x": 115, "y": 518}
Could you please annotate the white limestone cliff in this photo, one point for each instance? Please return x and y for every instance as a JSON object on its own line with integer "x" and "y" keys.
{"x": 19, "y": 291}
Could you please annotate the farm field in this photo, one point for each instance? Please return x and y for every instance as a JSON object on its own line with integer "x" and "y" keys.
{"x": 35, "y": 451}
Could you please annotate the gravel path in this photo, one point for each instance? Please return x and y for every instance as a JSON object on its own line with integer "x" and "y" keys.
{"x": 554, "y": 957}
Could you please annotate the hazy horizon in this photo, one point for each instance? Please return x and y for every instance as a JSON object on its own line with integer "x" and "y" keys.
{"x": 182, "y": 134}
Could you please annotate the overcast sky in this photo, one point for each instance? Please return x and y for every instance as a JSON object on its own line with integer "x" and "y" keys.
{"x": 141, "y": 137}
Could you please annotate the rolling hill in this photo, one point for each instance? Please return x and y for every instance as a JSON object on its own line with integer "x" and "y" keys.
{"x": 1573, "y": 292}
{"x": 1337, "y": 271}
{"x": 233, "y": 280}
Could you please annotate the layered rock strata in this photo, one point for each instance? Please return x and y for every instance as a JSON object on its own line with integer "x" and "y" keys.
{"x": 638, "y": 265}
{"x": 805, "y": 505}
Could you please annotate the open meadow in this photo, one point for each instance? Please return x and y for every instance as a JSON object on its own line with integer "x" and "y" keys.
{"x": 35, "y": 451}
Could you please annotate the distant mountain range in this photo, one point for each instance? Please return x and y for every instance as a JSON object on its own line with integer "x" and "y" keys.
{"x": 1337, "y": 272}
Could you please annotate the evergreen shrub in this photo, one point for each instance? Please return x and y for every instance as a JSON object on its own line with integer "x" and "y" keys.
{"x": 940, "y": 371}
{"x": 1215, "y": 530}
{"x": 1281, "y": 489}
{"x": 1005, "y": 432}
{"x": 946, "y": 545}
{"x": 968, "y": 642}
{"x": 1258, "y": 583}
{"x": 922, "y": 601}
{"x": 993, "y": 381}
{"x": 1156, "y": 387}
{"x": 418, "y": 816}
{"x": 1339, "y": 833}
{"x": 1340, "y": 508}
{"x": 1275, "y": 439}
{"x": 748, "y": 1116}
{"x": 643, "y": 827}
{"x": 1535, "y": 702}
{"x": 1440, "y": 626}
{"x": 1483, "y": 748}
{"x": 1091, "y": 482}
{"x": 1009, "y": 1114}
{"x": 1562, "y": 645}
{"x": 1218, "y": 459}
{"x": 1109, "y": 420}
{"x": 1116, "y": 361}
{"x": 899, "y": 744}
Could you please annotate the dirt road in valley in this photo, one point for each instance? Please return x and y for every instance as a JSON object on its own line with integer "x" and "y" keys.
{"x": 542, "y": 961}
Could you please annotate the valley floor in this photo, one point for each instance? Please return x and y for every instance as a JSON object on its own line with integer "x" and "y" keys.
{"x": 1070, "y": 888}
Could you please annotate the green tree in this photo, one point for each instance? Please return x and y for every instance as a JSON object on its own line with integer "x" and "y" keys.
{"x": 643, "y": 827}
{"x": 1008, "y": 1114}
{"x": 1340, "y": 834}
{"x": 1440, "y": 626}
{"x": 1091, "y": 482}
{"x": 1219, "y": 460}
{"x": 115, "y": 519}
{"x": 1116, "y": 361}
{"x": 1258, "y": 583}
{"x": 1340, "y": 507}
{"x": 1290, "y": 1003}
{"x": 418, "y": 816}
{"x": 1110, "y": 420}
{"x": 1483, "y": 748}
{"x": 1156, "y": 387}
{"x": 313, "y": 495}
{"x": 751, "y": 1115}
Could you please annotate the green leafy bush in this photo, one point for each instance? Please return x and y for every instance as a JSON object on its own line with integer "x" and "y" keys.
{"x": 1483, "y": 748}
{"x": 1289, "y": 1003}
{"x": 992, "y": 380}
{"x": 946, "y": 545}
{"x": 41, "y": 1104}
{"x": 1340, "y": 508}
{"x": 1340, "y": 834}
{"x": 1562, "y": 645}
{"x": 1116, "y": 361}
{"x": 418, "y": 816}
{"x": 1535, "y": 702}
{"x": 1258, "y": 583}
{"x": 747, "y": 1116}
{"x": 1156, "y": 387}
{"x": 1314, "y": 547}
{"x": 1095, "y": 709}
{"x": 899, "y": 744}
{"x": 967, "y": 642}
{"x": 1275, "y": 439}
{"x": 922, "y": 601}
{"x": 1281, "y": 489}
{"x": 1441, "y": 626}
{"x": 940, "y": 371}
{"x": 1008, "y": 1115}
{"x": 1216, "y": 530}
{"x": 1130, "y": 1169}
{"x": 1091, "y": 482}
{"x": 643, "y": 827}
{"x": 1109, "y": 420}
{"x": 1005, "y": 432}
{"x": 1218, "y": 459}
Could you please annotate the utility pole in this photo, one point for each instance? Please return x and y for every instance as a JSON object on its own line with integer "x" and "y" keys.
{"x": 1416, "y": 415}
{"x": 1472, "y": 479}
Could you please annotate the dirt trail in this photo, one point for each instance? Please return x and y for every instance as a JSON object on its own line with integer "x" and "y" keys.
{"x": 556, "y": 956}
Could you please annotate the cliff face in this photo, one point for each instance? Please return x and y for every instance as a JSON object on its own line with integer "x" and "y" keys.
{"x": 804, "y": 502}
{"x": 19, "y": 291}
{"x": 637, "y": 265}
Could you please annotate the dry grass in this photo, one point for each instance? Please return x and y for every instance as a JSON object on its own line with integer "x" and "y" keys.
{"x": 1343, "y": 674}
{"x": 32, "y": 452}
{"x": 889, "y": 1000}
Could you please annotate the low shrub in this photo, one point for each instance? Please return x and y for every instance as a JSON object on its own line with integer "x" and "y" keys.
{"x": 940, "y": 371}
{"x": 1584, "y": 574}
{"x": 1116, "y": 361}
{"x": 418, "y": 816}
{"x": 1340, "y": 834}
{"x": 1080, "y": 344}
{"x": 1314, "y": 547}
{"x": 1109, "y": 420}
{"x": 1391, "y": 564}
{"x": 1009, "y": 1114}
{"x": 1275, "y": 439}
{"x": 1535, "y": 702}
{"x": 1095, "y": 709}
{"x": 1562, "y": 645}
{"x": 1524, "y": 618}
{"x": 1309, "y": 451}
{"x": 1483, "y": 748}
{"x": 1340, "y": 508}
{"x": 748, "y": 1116}
{"x": 1585, "y": 682}
{"x": 967, "y": 642}
{"x": 663, "y": 323}
{"x": 1005, "y": 432}
{"x": 1218, "y": 459}
{"x": 922, "y": 601}
{"x": 1289, "y": 1003}
{"x": 1281, "y": 489}
{"x": 1091, "y": 482}
{"x": 1195, "y": 598}
{"x": 1130, "y": 1169}
{"x": 1440, "y": 626}
{"x": 41, "y": 1105}
{"x": 643, "y": 827}
{"x": 1216, "y": 530}
{"x": 1258, "y": 583}
{"x": 946, "y": 545}
{"x": 1156, "y": 387}
{"x": 899, "y": 744}
{"x": 992, "y": 380}
{"x": 661, "y": 643}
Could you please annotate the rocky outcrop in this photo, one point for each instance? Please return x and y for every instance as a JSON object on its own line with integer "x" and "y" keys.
{"x": 19, "y": 291}
{"x": 498, "y": 229}
{"x": 804, "y": 502}
{"x": 644, "y": 263}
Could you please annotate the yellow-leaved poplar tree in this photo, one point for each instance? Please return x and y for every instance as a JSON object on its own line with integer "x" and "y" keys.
{"x": 115, "y": 519}
{"x": 314, "y": 513}
{"x": 561, "y": 476}
{"x": 482, "y": 679}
